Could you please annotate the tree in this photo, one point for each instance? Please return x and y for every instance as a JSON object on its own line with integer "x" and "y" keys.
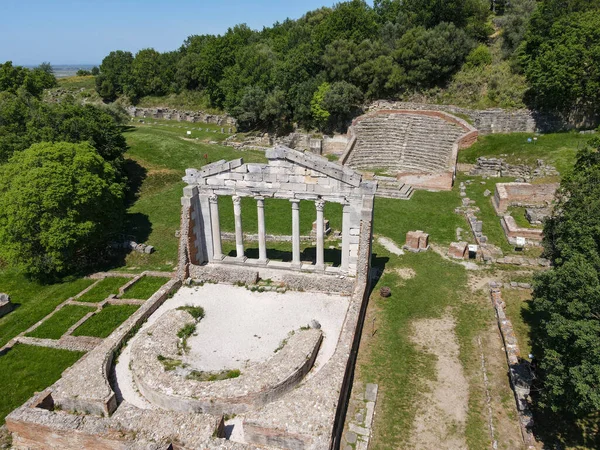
{"x": 430, "y": 56}
{"x": 58, "y": 203}
{"x": 567, "y": 298}
{"x": 320, "y": 115}
{"x": 115, "y": 75}
{"x": 342, "y": 101}
{"x": 563, "y": 69}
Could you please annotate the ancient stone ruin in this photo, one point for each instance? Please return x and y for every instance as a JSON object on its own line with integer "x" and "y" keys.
{"x": 497, "y": 167}
{"x": 290, "y": 175}
{"x": 537, "y": 197}
{"x": 418, "y": 148}
{"x": 417, "y": 241}
{"x": 173, "y": 390}
{"x": 5, "y": 305}
{"x": 181, "y": 116}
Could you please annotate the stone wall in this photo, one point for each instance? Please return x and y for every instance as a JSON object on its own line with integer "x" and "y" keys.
{"x": 256, "y": 386}
{"x": 497, "y": 167}
{"x": 181, "y": 116}
{"x": 488, "y": 121}
{"x": 513, "y": 231}
{"x": 522, "y": 194}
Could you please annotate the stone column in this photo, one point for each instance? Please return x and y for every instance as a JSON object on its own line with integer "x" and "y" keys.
{"x": 320, "y": 265}
{"x": 239, "y": 233}
{"x": 296, "y": 233}
{"x": 262, "y": 234}
{"x": 216, "y": 227}
{"x": 346, "y": 237}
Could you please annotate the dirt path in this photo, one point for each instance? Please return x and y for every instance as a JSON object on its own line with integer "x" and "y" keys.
{"x": 442, "y": 412}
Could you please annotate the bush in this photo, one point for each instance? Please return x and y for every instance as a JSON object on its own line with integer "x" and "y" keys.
{"x": 58, "y": 203}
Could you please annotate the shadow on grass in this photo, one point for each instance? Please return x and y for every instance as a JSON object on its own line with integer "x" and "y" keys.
{"x": 136, "y": 174}
{"x": 332, "y": 257}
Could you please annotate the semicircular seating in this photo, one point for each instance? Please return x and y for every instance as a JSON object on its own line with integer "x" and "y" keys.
{"x": 404, "y": 142}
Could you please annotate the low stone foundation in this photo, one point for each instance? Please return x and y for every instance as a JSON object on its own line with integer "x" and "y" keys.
{"x": 256, "y": 386}
{"x": 522, "y": 194}
{"x": 513, "y": 231}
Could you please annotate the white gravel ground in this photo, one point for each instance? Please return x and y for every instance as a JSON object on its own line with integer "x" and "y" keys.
{"x": 243, "y": 327}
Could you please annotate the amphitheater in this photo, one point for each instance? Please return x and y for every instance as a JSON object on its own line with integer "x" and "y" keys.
{"x": 411, "y": 149}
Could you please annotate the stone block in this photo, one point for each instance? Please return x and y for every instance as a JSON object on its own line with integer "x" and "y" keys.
{"x": 412, "y": 241}
{"x": 458, "y": 250}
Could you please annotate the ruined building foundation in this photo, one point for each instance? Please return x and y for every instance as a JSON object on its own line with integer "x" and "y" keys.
{"x": 293, "y": 398}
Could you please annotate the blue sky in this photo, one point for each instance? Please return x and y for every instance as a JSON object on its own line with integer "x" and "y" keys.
{"x": 83, "y": 32}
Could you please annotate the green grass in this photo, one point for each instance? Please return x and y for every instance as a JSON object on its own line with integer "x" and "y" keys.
{"x": 278, "y": 215}
{"x": 492, "y": 227}
{"x": 77, "y": 82}
{"x": 518, "y": 213}
{"x": 28, "y": 369}
{"x": 145, "y": 288}
{"x": 197, "y": 312}
{"x": 394, "y": 362}
{"x": 103, "y": 290}
{"x": 282, "y": 251}
{"x": 159, "y": 147}
{"x": 213, "y": 376}
{"x": 179, "y": 130}
{"x": 432, "y": 212}
{"x": 33, "y": 301}
{"x": 518, "y": 310}
{"x": 106, "y": 321}
{"x": 59, "y": 323}
{"x": 557, "y": 149}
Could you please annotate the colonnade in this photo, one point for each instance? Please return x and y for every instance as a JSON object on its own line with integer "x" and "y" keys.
{"x": 262, "y": 241}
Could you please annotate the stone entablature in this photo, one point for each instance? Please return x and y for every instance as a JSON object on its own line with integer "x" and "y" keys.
{"x": 257, "y": 385}
{"x": 290, "y": 175}
{"x": 522, "y": 194}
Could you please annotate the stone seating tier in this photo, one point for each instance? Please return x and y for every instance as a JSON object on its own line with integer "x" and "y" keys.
{"x": 405, "y": 143}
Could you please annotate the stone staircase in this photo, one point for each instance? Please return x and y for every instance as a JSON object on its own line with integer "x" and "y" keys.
{"x": 388, "y": 187}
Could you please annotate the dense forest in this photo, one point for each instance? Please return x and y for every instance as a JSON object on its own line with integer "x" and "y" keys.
{"x": 318, "y": 70}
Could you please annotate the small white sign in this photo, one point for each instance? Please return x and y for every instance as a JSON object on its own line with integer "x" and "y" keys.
{"x": 189, "y": 133}
{"x": 473, "y": 248}
{"x": 520, "y": 241}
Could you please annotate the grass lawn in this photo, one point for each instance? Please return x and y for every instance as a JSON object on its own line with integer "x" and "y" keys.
{"x": 106, "y": 321}
{"x": 282, "y": 251}
{"x": 518, "y": 311}
{"x": 278, "y": 215}
{"x": 145, "y": 288}
{"x": 392, "y": 360}
{"x": 155, "y": 147}
{"x": 492, "y": 227}
{"x": 557, "y": 149}
{"x": 432, "y": 212}
{"x": 59, "y": 323}
{"x": 518, "y": 213}
{"x": 77, "y": 82}
{"x": 33, "y": 301}
{"x": 28, "y": 369}
{"x": 103, "y": 289}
